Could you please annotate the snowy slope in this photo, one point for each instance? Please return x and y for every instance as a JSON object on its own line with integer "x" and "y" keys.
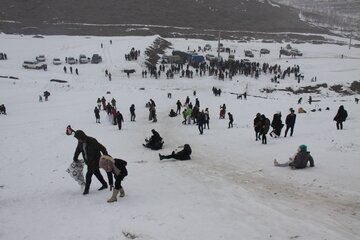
{"x": 229, "y": 190}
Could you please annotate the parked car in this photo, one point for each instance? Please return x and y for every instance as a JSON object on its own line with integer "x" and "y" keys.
{"x": 285, "y": 52}
{"x": 296, "y": 52}
{"x": 231, "y": 57}
{"x": 56, "y": 61}
{"x": 248, "y": 53}
{"x": 71, "y": 60}
{"x": 264, "y": 51}
{"x": 210, "y": 57}
{"x": 83, "y": 59}
{"x": 96, "y": 58}
{"x": 207, "y": 47}
{"x": 41, "y": 58}
{"x": 34, "y": 65}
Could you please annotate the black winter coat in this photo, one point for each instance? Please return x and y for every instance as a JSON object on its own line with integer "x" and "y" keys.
{"x": 290, "y": 119}
{"x": 301, "y": 160}
{"x": 341, "y": 115}
{"x": 184, "y": 154}
{"x": 91, "y": 154}
{"x": 121, "y": 165}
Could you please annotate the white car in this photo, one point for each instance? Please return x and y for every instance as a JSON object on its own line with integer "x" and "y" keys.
{"x": 33, "y": 65}
{"x": 56, "y": 61}
{"x": 71, "y": 60}
{"x": 210, "y": 57}
{"x": 41, "y": 58}
{"x": 83, "y": 59}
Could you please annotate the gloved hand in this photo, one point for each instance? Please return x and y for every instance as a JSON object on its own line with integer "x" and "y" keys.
{"x": 111, "y": 187}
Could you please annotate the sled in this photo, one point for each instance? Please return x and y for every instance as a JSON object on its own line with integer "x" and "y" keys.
{"x": 76, "y": 172}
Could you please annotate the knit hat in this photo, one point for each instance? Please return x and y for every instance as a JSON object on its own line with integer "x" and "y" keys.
{"x": 292, "y": 110}
{"x": 303, "y": 148}
{"x": 107, "y": 163}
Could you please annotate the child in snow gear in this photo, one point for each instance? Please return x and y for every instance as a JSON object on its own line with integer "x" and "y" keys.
{"x": 340, "y": 117}
{"x": 46, "y": 95}
{"x": 155, "y": 142}
{"x": 91, "y": 150}
{"x": 2, "y": 109}
{"x": 299, "y": 160}
{"x": 117, "y": 168}
{"x": 184, "y": 154}
{"x": 69, "y": 130}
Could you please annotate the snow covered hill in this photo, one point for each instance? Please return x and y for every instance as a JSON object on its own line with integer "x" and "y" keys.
{"x": 229, "y": 190}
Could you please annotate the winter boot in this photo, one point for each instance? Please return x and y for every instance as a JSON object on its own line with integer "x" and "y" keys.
{"x": 122, "y": 192}
{"x": 114, "y": 196}
{"x": 86, "y": 191}
{"x": 161, "y": 156}
{"x": 104, "y": 186}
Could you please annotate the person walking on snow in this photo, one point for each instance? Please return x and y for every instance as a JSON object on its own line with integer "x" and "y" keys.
{"x": 97, "y": 115}
{"x": 340, "y": 117}
{"x": 91, "y": 150}
{"x": 231, "y": 120}
{"x": 119, "y": 119}
{"x": 132, "y": 113}
{"x": 290, "y": 122}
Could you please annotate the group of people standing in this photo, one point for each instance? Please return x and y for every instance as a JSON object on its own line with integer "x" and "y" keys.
{"x": 111, "y": 110}
{"x": 262, "y": 125}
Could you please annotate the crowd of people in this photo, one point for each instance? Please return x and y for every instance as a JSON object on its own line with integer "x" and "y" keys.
{"x": 96, "y": 155}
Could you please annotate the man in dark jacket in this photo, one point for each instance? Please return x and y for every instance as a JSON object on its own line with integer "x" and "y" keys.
{"x": 132, "y": 112}
{"x": 300, "y": 160}
{"x": 119, "y": 119}
{"x": 201, "y": 121}
{"x": 97, "y": 115}
{"x": 182, "y": 155}
{"x": 265, "y": 126}
{"x": 90, "y": 149}
{"x": 231, "y": 120}
{"x": 290, "y": 122}
{"x": 340, "y": 117}
{"x": 257, "y": 126}
{"x": 117, "y": 168}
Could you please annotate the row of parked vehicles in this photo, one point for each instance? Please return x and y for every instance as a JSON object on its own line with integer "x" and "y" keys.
{"x": 39, "y": 62}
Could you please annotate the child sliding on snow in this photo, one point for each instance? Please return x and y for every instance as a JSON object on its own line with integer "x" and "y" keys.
{"x": 299, "y": 160}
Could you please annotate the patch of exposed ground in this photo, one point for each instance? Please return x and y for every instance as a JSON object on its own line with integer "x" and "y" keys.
{"x": 343, "y": 90}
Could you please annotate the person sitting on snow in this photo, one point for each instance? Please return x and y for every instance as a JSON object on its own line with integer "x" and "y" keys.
{"x": 299, "y": 160}
{"x": 155, "y": 142}
{"x": 172, "y": 113}
{"x": 184, "y": 154}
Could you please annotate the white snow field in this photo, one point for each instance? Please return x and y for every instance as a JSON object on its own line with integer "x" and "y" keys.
{"x": 229, "y": 190}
